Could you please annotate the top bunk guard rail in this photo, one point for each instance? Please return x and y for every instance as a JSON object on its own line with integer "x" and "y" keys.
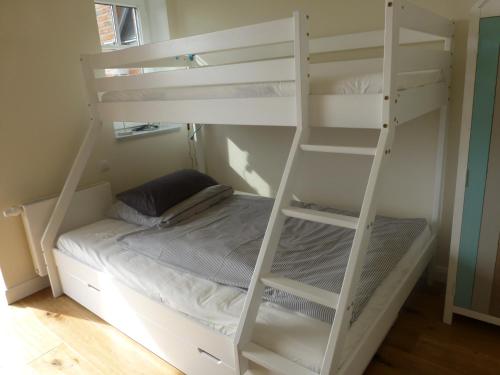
{"x": 415, "y": 18}
{"x": 263, "y": 53}
{"x": 273, "y": 32}
{"x": 251, "y": 72}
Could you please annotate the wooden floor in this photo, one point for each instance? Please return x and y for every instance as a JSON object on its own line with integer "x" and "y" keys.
{"x": 40, "y": 335}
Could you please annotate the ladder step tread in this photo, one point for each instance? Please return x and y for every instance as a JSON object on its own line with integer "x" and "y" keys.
{"x": 345, "y": 221}
{"x": 339, "y": 149}
{"x": 273, "y": 361}
{"x": 309, "y": 292}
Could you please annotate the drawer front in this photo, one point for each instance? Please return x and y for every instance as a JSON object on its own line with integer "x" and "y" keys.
{"x": 112, "y": 303}
{"x": 84, "y": 293}
{"x": 78, "y": 270}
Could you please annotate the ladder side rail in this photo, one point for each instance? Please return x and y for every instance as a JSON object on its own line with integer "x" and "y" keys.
{"x": 441, "y": 152}
{"x": 63, "y": 202}
{"x": 284, "y": 194}
{"x": 341, "y": 323}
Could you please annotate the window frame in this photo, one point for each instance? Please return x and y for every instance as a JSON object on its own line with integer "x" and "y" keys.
{"x": 141, "y": 19}
{"x": 123, "y": 130}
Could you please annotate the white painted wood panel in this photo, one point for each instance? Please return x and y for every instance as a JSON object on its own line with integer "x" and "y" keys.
{"x": 276, "y": 111}
{"x": 253, "y": 72}
{"x": 420, "y": 19}
{"x": 416, "y": 102}
{"x": 370, "y": 39}
{"x": 416, "y": 59}
{"x": 242, "y": 37}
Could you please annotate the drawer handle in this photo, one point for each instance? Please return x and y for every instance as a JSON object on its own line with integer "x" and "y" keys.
{"x": 93, "y": 287}
{"x": 210, "y": 356}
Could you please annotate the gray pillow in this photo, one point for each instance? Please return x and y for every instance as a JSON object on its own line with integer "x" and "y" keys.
{"x": 195, "y": 204}
{"x": 191, "y": 206}
{"x": 155, "y": 197}
{"x": 122, "y": 211}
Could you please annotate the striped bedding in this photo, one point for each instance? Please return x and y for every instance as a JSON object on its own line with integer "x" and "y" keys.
{"x": 222, "y": 245}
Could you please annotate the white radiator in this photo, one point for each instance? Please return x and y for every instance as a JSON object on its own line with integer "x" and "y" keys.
{"x": 88, "y": 205}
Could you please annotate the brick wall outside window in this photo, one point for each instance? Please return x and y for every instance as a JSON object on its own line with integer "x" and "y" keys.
{"x": 104, "y": 14}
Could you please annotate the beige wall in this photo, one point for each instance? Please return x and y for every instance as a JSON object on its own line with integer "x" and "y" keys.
{"x": 44, "y": 116}
{"x": 252, "y": 159}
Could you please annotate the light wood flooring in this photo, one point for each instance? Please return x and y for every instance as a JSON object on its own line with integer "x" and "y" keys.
{"x": 42, "y": 335}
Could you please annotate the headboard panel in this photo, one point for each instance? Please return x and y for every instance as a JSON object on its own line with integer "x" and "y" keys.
{"x": 88, "y": 205}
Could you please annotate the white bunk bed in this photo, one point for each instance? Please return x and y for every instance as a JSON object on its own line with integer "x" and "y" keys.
{"x": 193, "y": 347}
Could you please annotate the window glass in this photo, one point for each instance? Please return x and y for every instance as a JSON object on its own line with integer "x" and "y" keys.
{"x": 126, "y": 18}
{"x": 118, "y": 25}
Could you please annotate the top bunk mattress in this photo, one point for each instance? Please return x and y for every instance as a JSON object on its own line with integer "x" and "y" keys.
{"x": 370, "y": 83}
{"x": 219, "y": 306}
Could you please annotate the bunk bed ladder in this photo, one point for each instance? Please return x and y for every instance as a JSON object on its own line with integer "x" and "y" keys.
{"x": 344, "y": 301}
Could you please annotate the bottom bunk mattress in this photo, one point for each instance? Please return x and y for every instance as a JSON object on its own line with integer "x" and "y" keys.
{"x": 219, "y": 306}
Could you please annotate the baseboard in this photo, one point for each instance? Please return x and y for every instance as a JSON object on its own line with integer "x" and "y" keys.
{"x": 26, "y": 289}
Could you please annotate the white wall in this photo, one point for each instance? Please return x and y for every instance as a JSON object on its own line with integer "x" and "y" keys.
{"x": 252, "y": 158}
{"x": 44, "y": 116}
{"x": 158, "y": 20}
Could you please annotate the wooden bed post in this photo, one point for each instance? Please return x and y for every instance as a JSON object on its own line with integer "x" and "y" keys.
{"x": 440, "y": 171}
{"x": 71, "y": 184}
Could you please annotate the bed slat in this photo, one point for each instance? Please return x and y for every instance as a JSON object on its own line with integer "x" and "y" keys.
{"x": 368, "y": 151}
{"x": 252, "y": 72}
{"x": 422, "y": 59}
{"x": 275, "y": 111}
{"x": 272, "y": 361}
{"x": 416, "y": 102}
{"x": 332, "y": 111}
{"x": 416, "y": 18}
{"x": 296, "y": 288}
{"x": 343, "y": 221}
{"x": 273, "y": 32}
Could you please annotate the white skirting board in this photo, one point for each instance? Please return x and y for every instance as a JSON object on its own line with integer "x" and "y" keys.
{"x": 26, "y": 289}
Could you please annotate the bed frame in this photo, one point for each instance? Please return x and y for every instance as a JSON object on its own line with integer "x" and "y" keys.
{"x": 184, "y": 343}
{"x": 181, "y": 341}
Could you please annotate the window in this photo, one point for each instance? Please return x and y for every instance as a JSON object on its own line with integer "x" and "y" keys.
{"x": 119, "y": 27}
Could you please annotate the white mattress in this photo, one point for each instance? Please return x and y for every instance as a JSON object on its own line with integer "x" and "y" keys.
{"x": 291, "y": 334}
{"x": 370, "y": 83}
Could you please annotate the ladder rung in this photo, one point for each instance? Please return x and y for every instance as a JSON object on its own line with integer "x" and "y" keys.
{"x": 259, "y": 371}
{"x": 370, "y": 151}
{"x": 322, "y": 217}
{"x": 309, "y": 292}
{"x": 273, "y": 361}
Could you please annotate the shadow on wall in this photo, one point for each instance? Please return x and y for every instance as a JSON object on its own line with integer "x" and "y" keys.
{"x": 252, "y": 159}
{"x": 241, "y": 156}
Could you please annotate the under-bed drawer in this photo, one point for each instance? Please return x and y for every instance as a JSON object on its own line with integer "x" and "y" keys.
{"x": 192, "y": 348}
{"x": 84, "y": 293}
{"x": 79, "y": 270}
